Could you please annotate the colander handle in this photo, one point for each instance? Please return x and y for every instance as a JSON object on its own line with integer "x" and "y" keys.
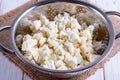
{"x": 3, "y": 47}
{"x": 117, "y": 14}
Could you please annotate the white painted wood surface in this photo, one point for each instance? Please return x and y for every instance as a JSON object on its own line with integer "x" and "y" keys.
{"x": 8, "y": 70}
{"x": 7, "y": 5}
{"x": 97, "y": 76}
{"x": 110, "y": 71}
{"x": 111, "y": 68}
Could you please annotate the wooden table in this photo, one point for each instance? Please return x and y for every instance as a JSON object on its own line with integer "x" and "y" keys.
{"x": 110, "y": 71}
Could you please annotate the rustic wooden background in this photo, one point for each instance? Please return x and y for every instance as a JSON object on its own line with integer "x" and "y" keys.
{"x": 110, "y": 71}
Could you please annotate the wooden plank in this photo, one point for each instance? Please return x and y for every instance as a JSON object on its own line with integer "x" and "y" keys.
{"x": 7, "y": 5}
{"x": 97, "y": 76}
{"x": 0, "y": 7}
{"x": 26, "y": 77}
{"x": 111, "y": 68}
{"x": 112, "y": 5}
{"x": 8, "y": 70}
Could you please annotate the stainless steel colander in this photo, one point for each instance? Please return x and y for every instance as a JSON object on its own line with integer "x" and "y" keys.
{"x": 84, "y": 12}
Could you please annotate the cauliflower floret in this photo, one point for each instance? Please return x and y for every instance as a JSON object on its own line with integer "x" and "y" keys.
{"x": 48, "y": 64}
{"x": 91, "y": 29}
{"x": 77, "y": 51}
{"x": 63, "y": 35}
{"x": 59, "y": 63}
{"x": 61, "y": 44}
{"x": 26, "y": 37}
{"x": 35, "y": 26}
{"x": 52, "y": 26}
{"x": 35, "y": 54}
{"x": 91, "y": 57}
{"x": 86, "y": 49}
{"x": 58, "y": 18}
{"x": 71, "y": 61}
{"x": 84, "y": 63}
{"x": 40, "y": 38}
{"x": 37, "y": 36}
{"x": 28, "y": 43}
{"x": 61, "y": 26}
{"x": 83, "y": 40}
{"x": 62, "y": 18}
{"x": 48, "y": 32}
{"x": 52, "y": 42}
{"x": 60, "y": 50}
{"x": 94, "y": 57}
{"x": 69, "y": 46}
{"x": 62, "y": 68}
{"x": 44, "y": 20}
{"x": 73, "y": 37}
{"x": 88, "y": 32}
{"x": 45, "y": 31}
{"x": 79, "y": 58}
{"x": 45, "y": 51}
{"x": 74, "y": 23}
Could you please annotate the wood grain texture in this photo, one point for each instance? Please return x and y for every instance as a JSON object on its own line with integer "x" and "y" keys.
{"x": 107, "y": 5}
{"x": 26, "y": 77}
{"x": 6, "y": 5}
{"x": 8, "y": 70}
{"x": 97, "y": 76}
{"x": 111, "y": 68}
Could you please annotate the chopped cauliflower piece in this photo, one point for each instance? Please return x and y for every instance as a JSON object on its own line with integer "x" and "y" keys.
{"x": 61, "y": 44}
{"x": 49, "y": 64}
{"x": 36, "y": 25}
{"x": 70, "y": 47}
{"x": 28, "y": 43}
{"x": 60, "y": 50}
